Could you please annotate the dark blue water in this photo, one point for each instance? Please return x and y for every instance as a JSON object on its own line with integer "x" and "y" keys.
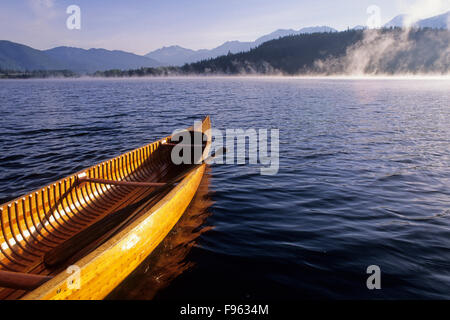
{"x": 364, "y": 176}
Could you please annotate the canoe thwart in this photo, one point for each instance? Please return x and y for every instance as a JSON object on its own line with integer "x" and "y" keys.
{"x": 82, "y": 179}
{"x": 183, "y": 145}
{"x": 21, "y": 281}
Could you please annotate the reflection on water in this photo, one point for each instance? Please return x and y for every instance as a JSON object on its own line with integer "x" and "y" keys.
{"x": 169, "y": 259}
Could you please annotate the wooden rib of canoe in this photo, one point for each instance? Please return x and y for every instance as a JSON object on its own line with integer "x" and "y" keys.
{"x": 100, "y": 223}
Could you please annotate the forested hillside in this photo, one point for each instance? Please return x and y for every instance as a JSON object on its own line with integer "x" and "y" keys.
{"x": 355, "y": 51}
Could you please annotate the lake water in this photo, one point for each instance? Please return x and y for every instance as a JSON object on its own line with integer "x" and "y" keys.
{"x": 364, "y": 176}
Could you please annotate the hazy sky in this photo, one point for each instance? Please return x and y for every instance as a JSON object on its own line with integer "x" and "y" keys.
{"x": 140, "y": 26}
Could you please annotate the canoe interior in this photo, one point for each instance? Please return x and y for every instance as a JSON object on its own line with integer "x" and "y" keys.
{"x": 38, "y": 222}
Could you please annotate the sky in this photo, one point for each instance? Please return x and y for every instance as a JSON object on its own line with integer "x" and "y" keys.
{"x": 140, "y": 26}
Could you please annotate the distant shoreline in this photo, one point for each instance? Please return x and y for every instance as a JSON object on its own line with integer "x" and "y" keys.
{"x": 245, "y": 76}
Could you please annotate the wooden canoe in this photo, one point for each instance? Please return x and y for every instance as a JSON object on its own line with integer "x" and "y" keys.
{"x": 57, "y": 218}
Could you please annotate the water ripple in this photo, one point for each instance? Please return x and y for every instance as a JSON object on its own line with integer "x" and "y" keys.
{"x": 364, "y": 176}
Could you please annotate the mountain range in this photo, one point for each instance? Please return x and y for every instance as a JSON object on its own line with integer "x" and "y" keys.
{"x": 441, "y": 21}
{"x": 177, "y": 56}
{"x": 19, "y": 57}
{"x": 15, "y": 56}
